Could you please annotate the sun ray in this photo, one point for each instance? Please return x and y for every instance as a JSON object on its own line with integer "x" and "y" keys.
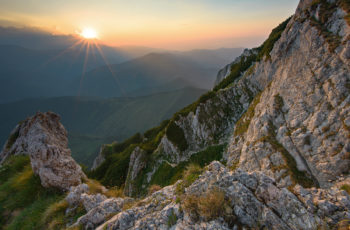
{"x": 62, "y": 52}
{"x": 84, "y": 67}
{"x": 110, "y": 69}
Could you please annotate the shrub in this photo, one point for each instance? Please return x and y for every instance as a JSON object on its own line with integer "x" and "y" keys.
{"x": 209, "y": 205}
{"x": 12, "y": 139}
{"x": 152, "y": 133}
{"x": 172, "y": 219}
{"x": 346, "y": 188}
{"x": 236, "y": 71}
{"x": 120, "y": 147}
{"x": 343, "y": 225}
{"x": 95, "y": 187}
{"x": 191, "y": 174}
{"x": 267, "y": 46}
{"x": 114, "y": 192}
{"x": 113, "y": 171}
{"x": 177, "y": 136}
{"x": 153, "y": 188}
{"x": 278, "y": 100}
{"x": 190, "y": 205}
{"x": 243, "y": 123}
{"x": 137, "y": 138}
{"x": 166, "y": 174}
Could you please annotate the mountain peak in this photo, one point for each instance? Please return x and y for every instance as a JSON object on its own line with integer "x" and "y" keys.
{"x": 44, "y": 139}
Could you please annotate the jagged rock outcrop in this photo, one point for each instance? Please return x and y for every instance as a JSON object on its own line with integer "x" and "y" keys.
{"x": 99, "y": 159}
{"x": 300, "y": 122}
{"x": 97, "y": 206}
{"x": 44, "y": 139}
{"x": 252, "y": 200}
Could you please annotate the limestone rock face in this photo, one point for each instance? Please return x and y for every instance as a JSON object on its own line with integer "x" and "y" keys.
{"x": 136, "y": 164}
{"x": 252, "y": 200}
{"x": 44, "y": 139}
{"x": 97, "y": 206}
{"x": 99, "y": 159}
{"x": 300, "y": 121}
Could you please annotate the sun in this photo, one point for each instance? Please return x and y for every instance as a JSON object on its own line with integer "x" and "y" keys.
{"x": 89, "y": 33}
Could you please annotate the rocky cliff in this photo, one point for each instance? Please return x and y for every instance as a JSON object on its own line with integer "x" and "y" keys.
{"x": 44, "y": 139}
{"x": 278, "y": 121}
{"x": 282, "y": 108}
{"x": 297, "y": 129}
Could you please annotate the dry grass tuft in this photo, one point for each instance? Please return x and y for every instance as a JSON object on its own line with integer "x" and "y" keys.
{"x": 209, "y": 205}
{"x": 95, "y": 187}
{"x": 153, "y": 188}
{"x": 114, "y": 192}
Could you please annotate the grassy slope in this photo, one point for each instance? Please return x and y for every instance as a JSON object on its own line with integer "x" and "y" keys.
{"x": 92, "y": 122}
{"x": 22, "y": 198}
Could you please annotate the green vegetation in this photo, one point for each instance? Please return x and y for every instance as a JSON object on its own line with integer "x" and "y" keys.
{"x": 23, "y": 200}
{"x": 172, "y": 219}
{"x": 267, "y": 46}
{"x": 177, "y": 136}
{"x": 192, "y": 107}
{"x": 346, "y": 188}
{"x": 278, "y": 102}
{"x": 113, "y": 171}
{"x": 12, "y": 139}
{"x": 258, "y": 54}
{"x": 166, "y": 175}
{"x": 190, "y": 175}
{"x": 236, "y": 71}
{"x": 120, "y": 147}
{"x": 150, "y": 134}
{"x": 242, "y": 124}
{"x": 54, "y": 215}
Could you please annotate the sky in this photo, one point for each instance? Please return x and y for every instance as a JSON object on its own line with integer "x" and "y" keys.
{"x": 168, "y": 24}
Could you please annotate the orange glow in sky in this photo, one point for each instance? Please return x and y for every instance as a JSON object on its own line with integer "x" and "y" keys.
{"x": 180, "y": 24}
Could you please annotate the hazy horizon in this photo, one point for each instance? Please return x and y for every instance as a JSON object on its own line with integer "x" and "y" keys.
{"x": 180, "y": 25}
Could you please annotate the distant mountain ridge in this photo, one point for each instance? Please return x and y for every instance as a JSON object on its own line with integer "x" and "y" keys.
{"x": 149, "y": 72}
{"x": 26, "y": 73}
{"x": 92, "y": 122}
